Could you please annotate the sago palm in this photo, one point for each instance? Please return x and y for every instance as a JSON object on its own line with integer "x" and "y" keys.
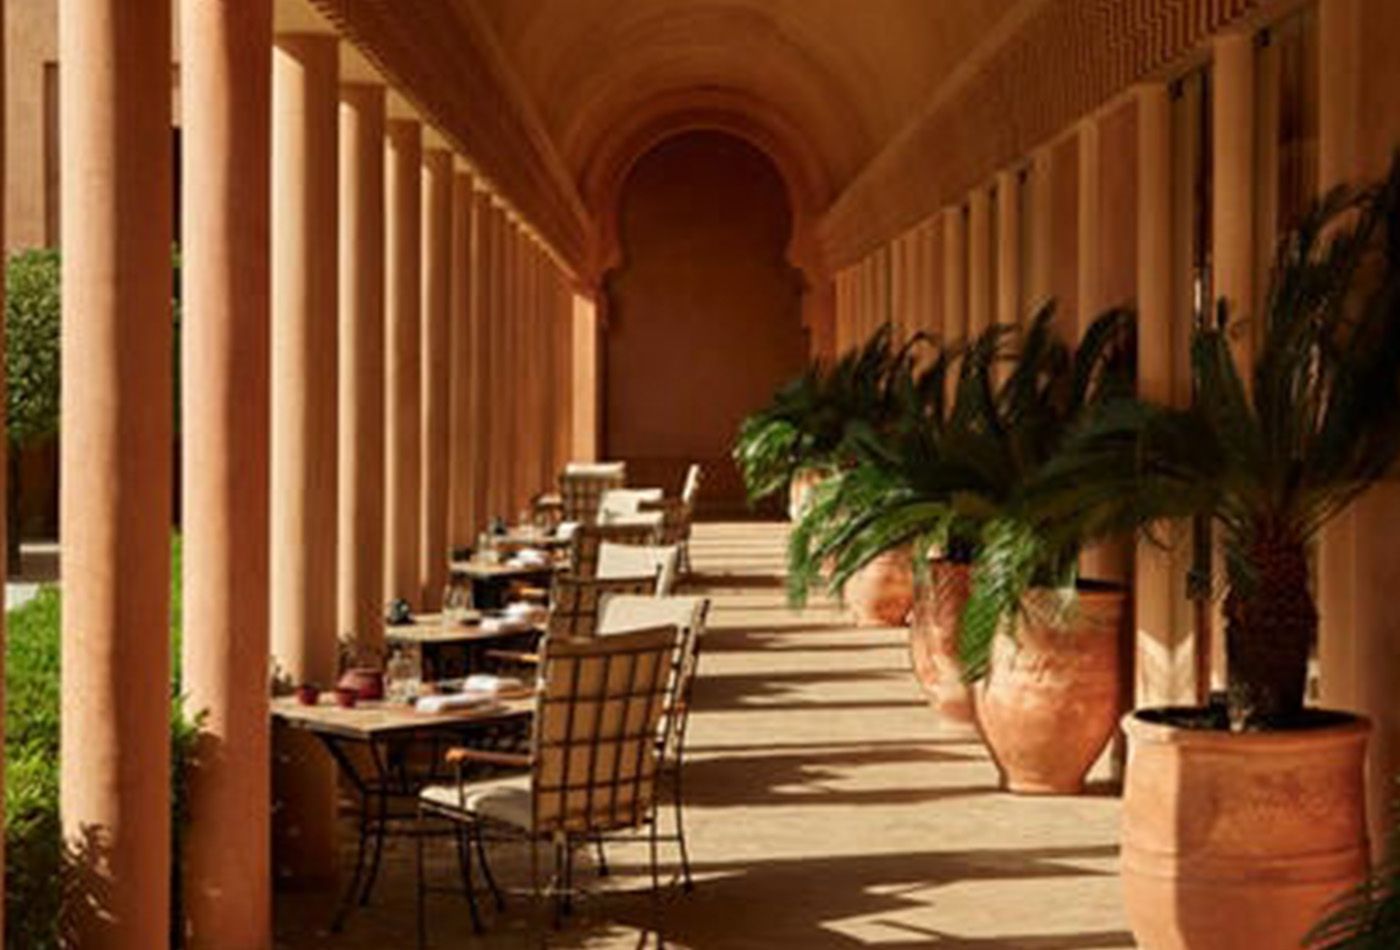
{"x": 1270, "y": 460}
{"x": 810, "y": 420}
{"x": 954, "y": 470}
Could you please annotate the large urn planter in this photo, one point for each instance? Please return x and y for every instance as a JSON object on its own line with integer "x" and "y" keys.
{"x": 881, "y": 594}
{"x": 1050, "y": 700}
{"x": 933, "y": 639}
{"x": 1239, "y": 839}
{"x": 799, "y": 488}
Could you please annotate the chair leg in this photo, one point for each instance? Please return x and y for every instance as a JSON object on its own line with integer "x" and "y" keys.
{"x": 480, "y": 844}
{"x": 558, "y": 883}
{"x": 603, "y": 869}
{"x": 568, "y": 890}
{"x": 464, "y": 863}
{"x": 422, "y": 890}
{"x": 655, "y": 883}
{"x": 687, "y": 883}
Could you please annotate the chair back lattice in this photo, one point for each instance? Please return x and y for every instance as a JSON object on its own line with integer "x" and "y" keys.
{"x": 575, "y": 602}
{"x": 581, "y": 490}
{"x": 694, "y": 475}
{"x": 675, "y": 519}
{"x": 637, "y": 560}
{"x": 589, "y": 538}
{"x": 624, "y": 613}
{"x": 601, "y": 703}
{"x": 620, "y": 503}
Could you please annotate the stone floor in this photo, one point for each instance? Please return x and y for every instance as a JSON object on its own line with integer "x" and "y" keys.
{"x": 827, "y": 809}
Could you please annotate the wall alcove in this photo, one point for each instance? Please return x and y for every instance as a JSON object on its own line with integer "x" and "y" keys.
{"x": 704, "y": 310}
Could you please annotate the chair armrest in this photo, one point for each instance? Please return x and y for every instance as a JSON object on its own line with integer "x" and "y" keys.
{"x": 513, "y": 656}
{"x": 463, "y": 756}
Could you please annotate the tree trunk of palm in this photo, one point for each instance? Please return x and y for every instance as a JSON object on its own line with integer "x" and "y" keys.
{"x": 1270, "y": 627}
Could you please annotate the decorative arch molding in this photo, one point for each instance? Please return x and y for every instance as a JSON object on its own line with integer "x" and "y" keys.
{"x": 663, "y": 117}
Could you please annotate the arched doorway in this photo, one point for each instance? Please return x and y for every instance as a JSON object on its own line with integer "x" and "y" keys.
{"x": 704, "y": 311}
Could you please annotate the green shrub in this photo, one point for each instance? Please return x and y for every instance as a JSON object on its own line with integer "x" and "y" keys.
{"x": 34, "y": 863}
{"x": 32, "y": 317}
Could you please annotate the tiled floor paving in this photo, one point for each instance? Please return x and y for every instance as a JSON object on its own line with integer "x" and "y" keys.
{"x": 826, "y": 809}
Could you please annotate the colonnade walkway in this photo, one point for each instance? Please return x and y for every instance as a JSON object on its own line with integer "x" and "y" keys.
{"x": 826, "y": 808}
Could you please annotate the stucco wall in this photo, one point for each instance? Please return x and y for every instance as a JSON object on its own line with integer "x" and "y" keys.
{"x": 704, "y": 314}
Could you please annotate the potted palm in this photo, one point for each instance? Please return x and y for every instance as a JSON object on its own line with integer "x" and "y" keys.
{"x": 1040, "y": 641}
{"x": 1241, "y": 822}
{"x": 803, "y": 434}
{"x": 896, "y": 497}
{"x": 807, "y": 434}
{"x": 951, "y": 478}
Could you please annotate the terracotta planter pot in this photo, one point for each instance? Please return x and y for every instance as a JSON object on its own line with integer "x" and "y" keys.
{"x": 1239, "y": 839}
{"x": 933, "y": 640}
{"x": 799, "y": 488}
{"x": 881, "y": 594}
{"x": 1050, "y": 702}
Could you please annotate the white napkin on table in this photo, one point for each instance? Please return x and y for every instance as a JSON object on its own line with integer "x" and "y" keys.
{"x": 446, "y": 702}
{"x": 504, "y": 625}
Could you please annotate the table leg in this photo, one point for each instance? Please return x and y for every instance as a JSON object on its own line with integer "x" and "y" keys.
{"x": 347, "y": 766}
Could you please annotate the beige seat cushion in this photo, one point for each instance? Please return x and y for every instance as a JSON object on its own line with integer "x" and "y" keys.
{"x": 505, "y": 800}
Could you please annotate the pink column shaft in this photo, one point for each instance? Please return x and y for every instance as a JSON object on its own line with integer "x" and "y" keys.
{"x": 403, "y": 435}
{"x": 115, "y": 478}
{"x": 436, "y": 363}
{"x": 462, "y": 442}
{"x": 304, "y": 416}
{"x": 227, "y": 98}
{"x": 360, "y": 547}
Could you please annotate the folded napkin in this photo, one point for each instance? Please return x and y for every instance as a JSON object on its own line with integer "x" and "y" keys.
{"x": 530, "y": 557}
{"x": 504, "y": 625}
{"x": 447, "y": 702}
{"x": 490, "y": 683}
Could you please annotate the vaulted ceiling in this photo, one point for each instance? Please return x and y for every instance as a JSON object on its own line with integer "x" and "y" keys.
{"x": 842, "y": 77}
{"x": 552, "y": 99}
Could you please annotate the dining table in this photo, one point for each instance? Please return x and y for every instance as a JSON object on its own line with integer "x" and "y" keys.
{"x": 491, "y": 579}
{"x": 456, "y": 646}
{"x": 388, "y": 751}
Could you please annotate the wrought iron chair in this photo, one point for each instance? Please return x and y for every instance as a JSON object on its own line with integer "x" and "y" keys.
{"x": 587, "y": 539}
{"x": 639, "y": 560}
{"x": 622, "y": 613}
{"x": 581, "y": 489}
{"x": 591, "y": 772}
{"x": 621, "y": 503}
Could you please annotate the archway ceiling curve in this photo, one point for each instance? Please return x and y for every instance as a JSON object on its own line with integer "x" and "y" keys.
{"x": 846, "y": 76}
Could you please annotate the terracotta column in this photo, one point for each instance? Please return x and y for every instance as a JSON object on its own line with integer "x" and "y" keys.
{"x": 1042, "y": 225}
{"x": 511, "y": 383}
{"x": 1338, "y": 55}
{"x": 1232, "y": 190}
{"x": 436, "y": 360}
{"x": 360, "y": 552}
{"x": 226, "y": 96}
{"x": 1359, "y": 662}
{"x": 1008, "y": 247}
{"x": 482, "y": 398}
{"x": 980, "y": 302}
{"x": 304, "y": 243}
{"x": 402, "y": 419}
{"x": 1089, "y": 259}
{"x": 584, "y": 362}
{"x": 115, "y": 480}
{"x": 955, "y": 326}
{"x": 462, "y": 435}
{"x": 1165, "y": 668}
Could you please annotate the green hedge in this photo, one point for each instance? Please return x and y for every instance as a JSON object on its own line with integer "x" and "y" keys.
{"x": 34, "y": 863}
